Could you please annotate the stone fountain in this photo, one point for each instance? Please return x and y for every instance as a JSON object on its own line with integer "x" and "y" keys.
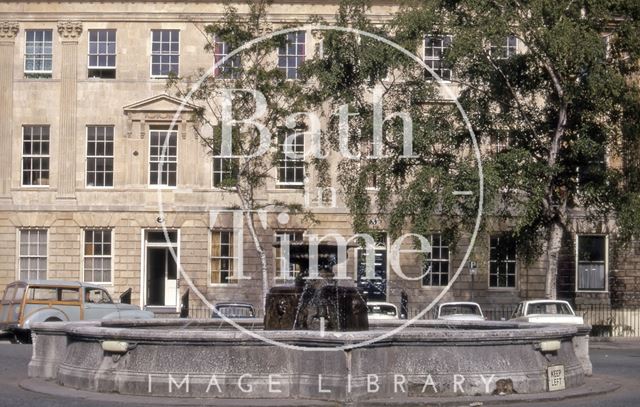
{"x": 315, "y": 343}
{"x": 321, "y": 303}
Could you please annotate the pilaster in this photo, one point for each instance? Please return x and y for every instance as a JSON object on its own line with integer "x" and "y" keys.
{"x": 70, "y": 32}
{"x": 8, "y": 32}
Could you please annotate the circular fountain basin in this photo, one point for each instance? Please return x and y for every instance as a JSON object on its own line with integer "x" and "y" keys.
{"x": 210, "y": 359}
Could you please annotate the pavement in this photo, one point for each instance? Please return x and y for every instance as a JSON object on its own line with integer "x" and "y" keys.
{"x": 615, "y": 384}
{"x": 593, "y": 387}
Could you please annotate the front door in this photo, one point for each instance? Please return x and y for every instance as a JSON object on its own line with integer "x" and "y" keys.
{"x": 161, "y": 272}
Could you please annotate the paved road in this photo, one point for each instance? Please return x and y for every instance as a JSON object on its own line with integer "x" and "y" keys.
{"x": 620, "y": 363}
{"x": 13, "y": 369}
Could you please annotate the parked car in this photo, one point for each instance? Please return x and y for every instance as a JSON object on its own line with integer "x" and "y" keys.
{"x": 382, "y": 310}
{"x": 546, "y": 312}
{"x": 460, "y": 311}
{"x": 26, "y": 302}
{"x": 234, "y": 310}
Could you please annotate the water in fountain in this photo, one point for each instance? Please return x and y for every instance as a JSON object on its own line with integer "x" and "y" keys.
{"x": 313, "y": 302}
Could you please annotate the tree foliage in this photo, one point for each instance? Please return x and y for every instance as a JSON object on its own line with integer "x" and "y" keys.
{"x": 563, "y": 109}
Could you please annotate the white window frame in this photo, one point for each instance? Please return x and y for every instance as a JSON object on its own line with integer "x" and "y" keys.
{"x": 504, "y": 48}
{"x": 98, "y": 54}
{"x": 42, "y": 56}
{"x": 427, "y": 60}
{"x": 214, "y": 172}
{"x": 515, "y": 263}
{"x": 377, "y": 247}
{"x": 84, "y": 256}
{"x": 285, "y": 68}
{"x": 285, "y": 159}
{"x": 235, "y": 258}
{"x": 151, "y": 53}
{"x": 232, "y": 63}
{"x": 34, "y": 156}
{"x": 159, "y": 185}
{"x": 19, "y": 255}
{"x": 113, "y": 161}
{"x": 606, "y": 262}
{"x": 277, "y": 255}
{"x": 439, "y": 260}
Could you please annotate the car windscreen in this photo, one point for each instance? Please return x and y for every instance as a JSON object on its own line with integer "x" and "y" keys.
{"x": 382, "y": 309}
{"x": 460, "y": 309}
{"x": 8, "y": 294}
{"x": 549, "y": 308}
{"x": 235, "y": 311}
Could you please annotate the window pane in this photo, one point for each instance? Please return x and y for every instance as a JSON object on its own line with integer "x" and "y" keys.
{"x": 502, "y": 261}
{"x": 100, "y": 147}
{"x": 591, "y": 248}
{"x": 33, "y": 254}
{"x": 97, "y": 255}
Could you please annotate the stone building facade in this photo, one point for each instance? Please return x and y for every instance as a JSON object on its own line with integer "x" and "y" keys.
{"x": 84, "y": 105}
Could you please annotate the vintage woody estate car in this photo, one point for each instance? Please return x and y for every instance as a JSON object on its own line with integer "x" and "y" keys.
{"x": 26, "y": 302}
{"x": 546, "y": 312}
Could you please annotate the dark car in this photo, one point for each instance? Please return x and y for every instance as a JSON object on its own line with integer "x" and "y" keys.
{"x": 234, "y": 310}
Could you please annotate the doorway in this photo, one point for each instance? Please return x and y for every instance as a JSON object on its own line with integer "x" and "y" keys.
{"x": 161, "y": 270}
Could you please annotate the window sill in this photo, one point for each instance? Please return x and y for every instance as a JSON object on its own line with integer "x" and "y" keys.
{"x": 38, "y": 76}
{"x": 223, "y": 189}
{"x": 283, "y": 186}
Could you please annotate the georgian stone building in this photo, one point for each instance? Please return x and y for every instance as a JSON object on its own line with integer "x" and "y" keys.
{"x": 84, "y": 113}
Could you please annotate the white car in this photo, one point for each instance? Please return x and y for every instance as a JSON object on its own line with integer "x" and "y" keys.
{"x": 460, "y": 311}
{"x": 546, "y": 312}
{"x": 382, "y": 310}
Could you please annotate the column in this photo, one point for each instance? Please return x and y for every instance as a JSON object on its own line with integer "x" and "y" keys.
{"x": 8, "y": 32}
{"x": 69, "y": 33}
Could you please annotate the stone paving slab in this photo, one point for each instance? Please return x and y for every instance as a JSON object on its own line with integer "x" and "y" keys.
{"x": 593, "y": 386}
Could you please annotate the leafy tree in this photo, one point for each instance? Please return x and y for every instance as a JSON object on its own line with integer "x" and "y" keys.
{"x": 410, "y": 190}
{"x": 248, "y": 162}
{"x": 561, "y": 106}
{"x": 558, "y": 108}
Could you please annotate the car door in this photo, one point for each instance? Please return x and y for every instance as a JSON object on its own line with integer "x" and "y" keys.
{"x": 97, "y": 303}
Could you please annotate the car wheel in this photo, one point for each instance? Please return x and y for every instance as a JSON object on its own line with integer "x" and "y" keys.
{"x": 53, "y": 319}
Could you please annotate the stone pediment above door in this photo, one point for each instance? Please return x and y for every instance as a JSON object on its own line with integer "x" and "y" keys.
{"x": 159, "y": 110}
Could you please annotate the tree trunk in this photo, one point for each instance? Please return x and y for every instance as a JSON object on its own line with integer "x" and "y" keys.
{"x": 554, "y": 244}
{"x": 263, "y": 258}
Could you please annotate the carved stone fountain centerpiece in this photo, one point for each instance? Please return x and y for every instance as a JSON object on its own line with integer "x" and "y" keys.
{"x": 319, "y": 302}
